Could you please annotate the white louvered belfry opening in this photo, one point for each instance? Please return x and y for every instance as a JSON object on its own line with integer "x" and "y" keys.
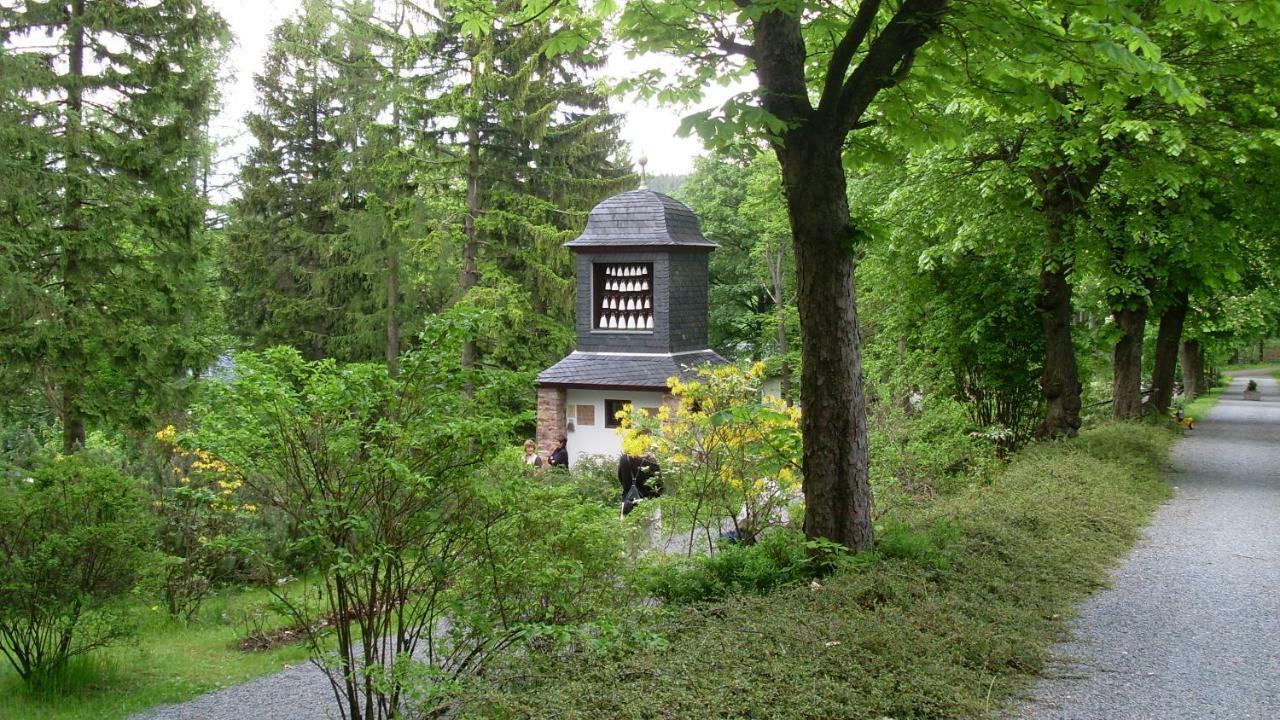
{"x": 623, "y": 297}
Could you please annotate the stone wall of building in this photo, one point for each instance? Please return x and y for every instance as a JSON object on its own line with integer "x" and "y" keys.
{"x": 551, "y": 419}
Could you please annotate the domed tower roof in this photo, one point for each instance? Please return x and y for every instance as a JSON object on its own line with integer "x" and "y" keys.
{"x": 641, "y": 219}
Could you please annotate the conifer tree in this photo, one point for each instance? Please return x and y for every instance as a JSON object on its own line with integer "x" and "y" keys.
{"x": 292, "y": 276}
{"x": 536, "y": 145}
{"x": 104, "y": 292}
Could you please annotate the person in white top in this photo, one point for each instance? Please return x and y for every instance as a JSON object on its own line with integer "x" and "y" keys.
{"x": 531, "y": 456}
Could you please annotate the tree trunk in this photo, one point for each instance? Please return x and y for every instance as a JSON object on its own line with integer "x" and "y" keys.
{"x": 1167, "y": 341}
{"x": 836, "y": 486}
{"x": 393, "y": 306}
{"x": 71, "y": 361}
{"x": 1191, "y": 357}
{"x": 72, "y": 418}
{"x": 1060, "y": 380}
{"x": 1127, "y": 359}
{"x": 471, "y": 250}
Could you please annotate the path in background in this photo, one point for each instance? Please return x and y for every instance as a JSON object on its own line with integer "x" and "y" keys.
{"x": 1191, "y": 626}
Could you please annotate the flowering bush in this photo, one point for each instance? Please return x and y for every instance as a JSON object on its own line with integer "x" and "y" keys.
{"x": 206, "y": 525}
{"x": 730, "y": 457}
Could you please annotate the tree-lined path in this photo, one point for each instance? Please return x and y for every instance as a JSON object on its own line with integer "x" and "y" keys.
{"x": 1191, "y": 627}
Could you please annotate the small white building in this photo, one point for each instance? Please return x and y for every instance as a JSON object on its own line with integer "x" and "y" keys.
{"x": 642, "y": 283}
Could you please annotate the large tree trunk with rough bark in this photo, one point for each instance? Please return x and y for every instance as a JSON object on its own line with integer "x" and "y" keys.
{"x": 837, "y": 491}
{"x": 836, "y": 484}
{"x": 1167, "y": 341}
{"x": 1191, "y": 357}
{"x": 1126, "y": 386}
{"x": 1060, "y": 379}
{"x": 1063, "y": 190}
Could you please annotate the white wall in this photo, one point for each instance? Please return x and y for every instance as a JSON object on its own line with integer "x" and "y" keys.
{"x": 597, "y": 439}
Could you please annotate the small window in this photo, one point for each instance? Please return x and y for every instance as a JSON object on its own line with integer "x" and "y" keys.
{"x": 586, "y": 414}
{"x": 611, "y": 410}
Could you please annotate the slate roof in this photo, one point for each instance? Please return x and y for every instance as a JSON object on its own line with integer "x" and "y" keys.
{"x": 641, "y": 218}
{"x": 587, "y": 369}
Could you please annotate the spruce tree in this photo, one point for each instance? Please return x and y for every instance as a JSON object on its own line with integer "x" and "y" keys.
{"x": 104, "y": 292}
{"x": 537, "y": 148}
{"x": 290, "y": 276}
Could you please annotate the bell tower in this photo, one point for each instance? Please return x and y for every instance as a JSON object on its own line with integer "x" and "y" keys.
{"x": 642, "y": 288}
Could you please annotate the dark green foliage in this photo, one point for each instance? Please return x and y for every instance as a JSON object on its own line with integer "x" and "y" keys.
{"x": 106, "y": 300}
{"x": 292, "y": 274}
{"x": 74, "y": 537}
{"x": 529, "y": 147}
{"x": 956, "y": 614}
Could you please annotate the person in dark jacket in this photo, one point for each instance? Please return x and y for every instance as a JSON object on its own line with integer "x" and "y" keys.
{"x": 638, "y": 477}
{"x": 560, "y": 456}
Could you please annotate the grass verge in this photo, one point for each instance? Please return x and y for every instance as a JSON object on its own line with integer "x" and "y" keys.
{"x": 1201, "y": 406}
{"x": 169, "y": 662}
{"x": 944, "y": 627}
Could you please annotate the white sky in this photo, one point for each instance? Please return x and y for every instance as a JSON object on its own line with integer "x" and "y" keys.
{"x": 648, "y": 127}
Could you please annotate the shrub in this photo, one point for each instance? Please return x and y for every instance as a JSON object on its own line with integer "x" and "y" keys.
{"x": 592, "y": 478}
{"x": 729, "y": 456}
{"x": 781, "y": 557}
{"x": 385, "y": 480}
{"x": 205, "y": 532}
{"x": 922, "y": 453}
{"x": 73, "y": 539}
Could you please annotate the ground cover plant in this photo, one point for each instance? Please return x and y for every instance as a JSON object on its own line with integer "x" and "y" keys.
{"x": 946, "y": 622}
{"x": 296, "y": 370}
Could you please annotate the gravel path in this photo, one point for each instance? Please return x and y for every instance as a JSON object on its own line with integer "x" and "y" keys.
{"x": 1191, "y": 626}
{"x": 300, "y": 693}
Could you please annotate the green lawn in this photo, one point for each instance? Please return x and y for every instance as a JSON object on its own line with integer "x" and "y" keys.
{"x": 169, "y": 662}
